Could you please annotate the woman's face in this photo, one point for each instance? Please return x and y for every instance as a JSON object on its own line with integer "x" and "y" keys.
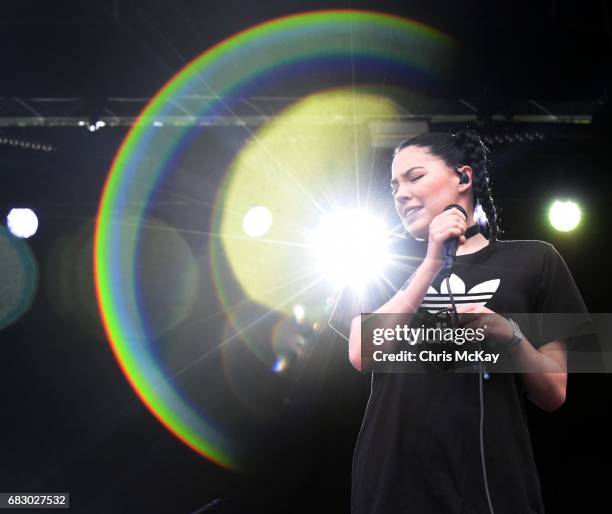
{"x": 422, "y": 180}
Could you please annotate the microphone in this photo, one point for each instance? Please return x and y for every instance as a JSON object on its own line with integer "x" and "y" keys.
{"x": 450, "y": 246}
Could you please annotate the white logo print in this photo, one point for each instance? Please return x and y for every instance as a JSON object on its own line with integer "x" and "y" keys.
{"x": 480, "y": 294}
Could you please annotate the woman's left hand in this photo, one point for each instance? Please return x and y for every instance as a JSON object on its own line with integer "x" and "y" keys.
{"x": 497, "y": 329}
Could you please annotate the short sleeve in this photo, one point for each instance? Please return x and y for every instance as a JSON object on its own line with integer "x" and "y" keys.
{"x": 559, "y": 294}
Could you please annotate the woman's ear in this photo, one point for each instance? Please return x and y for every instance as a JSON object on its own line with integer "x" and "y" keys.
{"x": 466, "y": 174}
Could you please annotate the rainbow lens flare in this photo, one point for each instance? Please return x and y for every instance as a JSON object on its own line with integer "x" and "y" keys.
{"x": 349, "y": 58}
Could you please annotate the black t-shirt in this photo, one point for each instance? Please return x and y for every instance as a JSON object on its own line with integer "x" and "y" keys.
{"x": 418, "y": 450}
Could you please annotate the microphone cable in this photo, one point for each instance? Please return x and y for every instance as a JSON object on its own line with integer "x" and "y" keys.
{"x": 482, "y": 376}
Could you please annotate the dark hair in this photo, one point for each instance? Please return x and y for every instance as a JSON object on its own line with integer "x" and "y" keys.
{"x": 465, "y": 148}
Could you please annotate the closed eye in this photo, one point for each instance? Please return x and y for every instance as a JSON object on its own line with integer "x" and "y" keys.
{"x": 394, "y": 189}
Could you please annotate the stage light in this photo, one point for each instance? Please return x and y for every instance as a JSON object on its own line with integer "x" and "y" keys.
{"x": 257, "y": 221}
{"x": 22, "y": 222}
{"x": 25, "y": 144}
{"x": 92, "y": 125}
{"x": 564, "y": 215}
{"x": 350, "y": 248}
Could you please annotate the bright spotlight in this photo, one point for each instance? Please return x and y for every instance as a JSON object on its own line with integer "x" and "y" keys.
{"x": 257, "y": 221}
{"x": 22, "y": 222}
{"x": 351, "y": 248}
{"x": 564, "y": 216}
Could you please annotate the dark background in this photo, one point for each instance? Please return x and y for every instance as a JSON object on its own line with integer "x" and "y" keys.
{"x": 70, "y": 420}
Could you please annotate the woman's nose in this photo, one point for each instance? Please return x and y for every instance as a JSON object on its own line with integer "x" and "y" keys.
{"x": 402, "y": 195}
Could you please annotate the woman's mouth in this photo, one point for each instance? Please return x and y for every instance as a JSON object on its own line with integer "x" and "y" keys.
{"x": 409, "y": 213}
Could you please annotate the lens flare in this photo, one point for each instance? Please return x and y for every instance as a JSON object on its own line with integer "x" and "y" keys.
{"x": 299, "y": 56}
{"x": 351, "y": 248}
{"x": 257, "y": 221}
{"x": 19, "y": 277}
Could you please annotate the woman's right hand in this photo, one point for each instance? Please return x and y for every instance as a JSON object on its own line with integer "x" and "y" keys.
{"x": 447, "y": 224}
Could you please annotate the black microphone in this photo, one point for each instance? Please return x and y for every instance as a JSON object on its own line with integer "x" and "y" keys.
{"x": 450, "y": 246}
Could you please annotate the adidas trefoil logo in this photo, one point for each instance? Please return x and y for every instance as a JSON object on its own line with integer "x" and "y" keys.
{"x": 480, "y": 294}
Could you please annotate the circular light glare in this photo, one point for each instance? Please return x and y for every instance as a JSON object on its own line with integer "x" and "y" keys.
{"x": 257, "y": 221}
{"x": 564, "y": 216}
{"x": 22, "y": 222}
{"x": 280, "y": 365}
{"x": 351, "y": 248}
{"x": 298, "y": 312}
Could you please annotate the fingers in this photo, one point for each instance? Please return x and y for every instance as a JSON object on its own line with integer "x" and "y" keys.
{"x": 446, "y": 225}
{"x": 454, "y": 214}
{"x": 449, "y": 224}
{"x": 444, "y": 234}
{"x": 452, "y": 222}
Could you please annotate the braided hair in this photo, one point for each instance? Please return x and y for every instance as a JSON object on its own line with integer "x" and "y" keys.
{"x": 464, "y": 148}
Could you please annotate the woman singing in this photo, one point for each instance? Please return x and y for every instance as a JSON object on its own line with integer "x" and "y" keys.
{"x": 429, "y": 442}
